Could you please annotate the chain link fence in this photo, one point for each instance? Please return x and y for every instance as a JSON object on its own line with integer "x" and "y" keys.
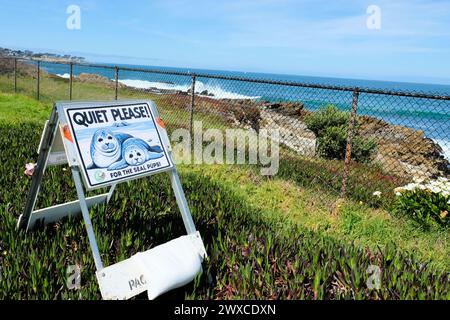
{"x": 348, "y": 140}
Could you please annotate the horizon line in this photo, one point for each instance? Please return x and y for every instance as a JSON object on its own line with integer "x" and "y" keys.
{"x": 427, "y": 80}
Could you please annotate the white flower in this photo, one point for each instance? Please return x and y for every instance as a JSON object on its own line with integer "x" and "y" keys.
{"x": 410, "y": 186}
{"x": 398, "y": 194}
{"x": 435, "y": 189}
{"x": 377, "y": 194}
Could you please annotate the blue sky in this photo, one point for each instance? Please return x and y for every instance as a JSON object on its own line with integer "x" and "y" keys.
{"x": 306, "y": 37}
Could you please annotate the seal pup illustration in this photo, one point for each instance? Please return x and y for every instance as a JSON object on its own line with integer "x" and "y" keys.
{"x": 106, "y": 148}
{"x": 135, "y": 152}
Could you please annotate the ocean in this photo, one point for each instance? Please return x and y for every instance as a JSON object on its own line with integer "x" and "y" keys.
{"x": 430, "y": 116}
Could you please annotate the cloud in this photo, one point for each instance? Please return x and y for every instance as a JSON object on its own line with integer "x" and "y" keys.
{"x": 407, "y": 26}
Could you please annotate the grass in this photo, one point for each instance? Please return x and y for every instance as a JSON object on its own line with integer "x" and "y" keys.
{"x": 19, "y": 108}
{"x": 249, "y": 219}
{"x": 355, "y": 222}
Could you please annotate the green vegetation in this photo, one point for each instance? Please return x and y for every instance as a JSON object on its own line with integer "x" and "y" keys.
{"x": 326, "y": 176}
{"x": 266, "y": 237}
{"x": 428, "y": 202}
{"x": 330, "y": 125}
{"x": 309, "y": 207}
{"x": 19, "y": 108}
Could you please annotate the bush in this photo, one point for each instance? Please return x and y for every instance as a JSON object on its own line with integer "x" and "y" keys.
{"x": 327, "y": 117}
{"x": 426, "y": 202}
{"x": 330, "y": 127}
{"x": 332, "y": 142}
{"x": 363, "y": 149}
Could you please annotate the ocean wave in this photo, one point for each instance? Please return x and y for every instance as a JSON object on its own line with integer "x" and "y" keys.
{"x": 213, "y": 91}
{"x": 445, "y": 145}
{"x": 64, "y": 75}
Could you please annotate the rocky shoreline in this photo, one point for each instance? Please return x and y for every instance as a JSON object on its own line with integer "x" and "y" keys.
{"x": 401, "y": 151}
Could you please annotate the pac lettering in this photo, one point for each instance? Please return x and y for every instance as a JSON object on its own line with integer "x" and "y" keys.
{"x": 137, "y": 282}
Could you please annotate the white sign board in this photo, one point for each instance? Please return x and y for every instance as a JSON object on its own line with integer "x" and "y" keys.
{"x": 117, "y": 142}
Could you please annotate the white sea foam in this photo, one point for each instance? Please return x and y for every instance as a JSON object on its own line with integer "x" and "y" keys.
{"x": 64, "y": 76}
{"x": 216, "y": 90}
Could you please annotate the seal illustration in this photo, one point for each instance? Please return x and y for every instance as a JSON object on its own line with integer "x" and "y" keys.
{"x": 106, "y": 148}
{"x": 135, "y": 152}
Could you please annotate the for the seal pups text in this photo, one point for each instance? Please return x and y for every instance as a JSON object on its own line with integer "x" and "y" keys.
{"x": 128, "y": 171}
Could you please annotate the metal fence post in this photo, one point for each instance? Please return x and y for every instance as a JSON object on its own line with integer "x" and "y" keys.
{"x": 191, "y": 115}
{"x": 38, "y": 79}
{"x": 70, "y": 80}
{"x": 116, "y": 77}
{"x": 348, "y": 149}
{"x": 15, "y": 75}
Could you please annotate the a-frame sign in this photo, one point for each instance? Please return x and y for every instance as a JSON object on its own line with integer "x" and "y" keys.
{"x": 106, "y": 143}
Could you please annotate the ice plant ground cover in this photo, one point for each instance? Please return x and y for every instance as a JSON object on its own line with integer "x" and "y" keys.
{"x": 427, "y": 201}
{"x": 267, "y": 237}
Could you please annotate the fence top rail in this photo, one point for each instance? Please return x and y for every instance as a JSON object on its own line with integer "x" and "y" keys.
{"x": 411, "y": 94}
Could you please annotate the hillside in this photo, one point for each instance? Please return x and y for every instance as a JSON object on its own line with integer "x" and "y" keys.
{"x": 267, "y": 238}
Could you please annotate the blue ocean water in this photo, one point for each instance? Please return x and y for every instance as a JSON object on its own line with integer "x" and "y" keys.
{"x": 431, "y": 116}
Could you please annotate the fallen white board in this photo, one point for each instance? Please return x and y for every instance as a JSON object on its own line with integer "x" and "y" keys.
{"x": 158, "y": 270}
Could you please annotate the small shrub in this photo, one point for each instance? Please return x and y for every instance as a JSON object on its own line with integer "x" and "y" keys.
{"x": 426, "y": 202}
{"x": 330, "y": 116}
{"x": 363, "y": 149}
{"x": 332, "y": 142}
{"x": 330, "y": 127}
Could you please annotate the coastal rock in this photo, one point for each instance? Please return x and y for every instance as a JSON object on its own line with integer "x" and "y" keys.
{"x": 206, "y": 93}
{"x": 282, "y": 116}
{"x": 95, "y": 78}
{"x": 404, "y": 151}
{"x": 291, "y": 109}
{"x": 293, "y": 132}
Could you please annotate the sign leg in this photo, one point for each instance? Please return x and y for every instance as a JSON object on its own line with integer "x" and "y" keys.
{"x": 87, "y": 219}
{"x": 181, "y": 201}
{"x": 110, "y": 192}
{"x": 44, "y": 153}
